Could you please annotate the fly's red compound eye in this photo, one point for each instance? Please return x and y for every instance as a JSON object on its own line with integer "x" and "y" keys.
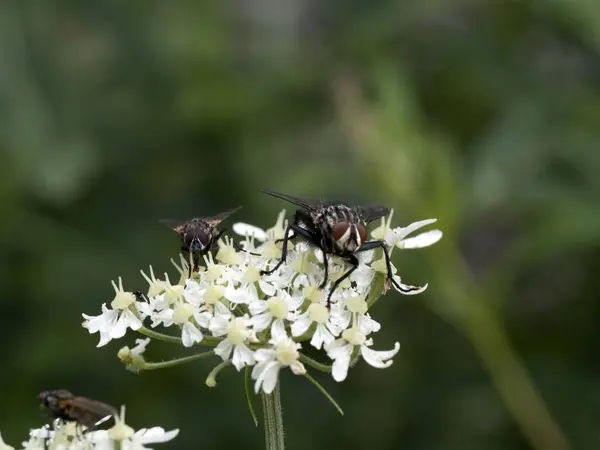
{"x": 339, "y": 230}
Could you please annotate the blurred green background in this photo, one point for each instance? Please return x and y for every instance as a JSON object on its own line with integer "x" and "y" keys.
{"x": 484, "y": 114}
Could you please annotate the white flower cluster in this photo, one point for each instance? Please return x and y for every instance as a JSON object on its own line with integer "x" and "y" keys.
{"x": 72, "y": 436}
{"x": 262, "y": 321}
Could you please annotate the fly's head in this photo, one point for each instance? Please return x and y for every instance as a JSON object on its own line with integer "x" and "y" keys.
{"x": 56, "y": 401}
{"x": 50, "y": 399}
{"x": 344, "y": 228}
{"x": 197, "y": 235}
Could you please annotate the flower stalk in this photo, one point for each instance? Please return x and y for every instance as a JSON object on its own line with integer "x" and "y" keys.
{"x": 273, "y": 420}
{"x": 177, "y": 361}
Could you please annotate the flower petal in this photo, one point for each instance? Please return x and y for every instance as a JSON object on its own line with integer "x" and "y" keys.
{"x": 132, "y": 321}
{"x": 379, "y": 359}
{"x": 218, "y": 325}
{"x": 278, "y": 329}
{"x": 203, "y": 319}
{"x": 267, "y": 379}
{"x": 298, "y": 368}
{"x": 242, "y": 356}
{"x": 247, "y": 230}
{"x": 267, "y": 288}
{"x": 401, "y": 233}
{"x": 257, "y": 307}
{"x": 190, "y": 334}
{"x": 237, "y": 296}
{"x": 340, "y": 352}
{"x": 368, "y": 325}
{"x": 321, "y": 336}
{"x": 339, "y": 369}
{"x": 262, "y": 321}
{"x": 301, "y": 324}
{"x": 223, "y": 349}
{"x": 422, "y": 240}
{"x": 407, "y": 289}
{"x": 155, "y": 435}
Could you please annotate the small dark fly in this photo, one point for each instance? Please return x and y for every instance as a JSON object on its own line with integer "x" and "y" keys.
{"x": 336, "y": 228}
{"x": 199, "y": 235}
{"x": 63, "y": 405}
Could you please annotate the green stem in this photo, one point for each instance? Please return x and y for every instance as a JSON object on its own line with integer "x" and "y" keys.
{"x": 314, "y": 364}
{"x": 207, "y": 341}
{"x": 211, "y": 379}
{"x": 325, "y": 393}
{"x": 248, "y": 389}
{"x": 273, "y": 419}
{"x": 176, "y": 362}
{"x": 159, "y": 336}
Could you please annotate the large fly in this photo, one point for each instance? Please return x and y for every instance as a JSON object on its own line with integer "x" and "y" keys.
{"x": 336, "y": 228}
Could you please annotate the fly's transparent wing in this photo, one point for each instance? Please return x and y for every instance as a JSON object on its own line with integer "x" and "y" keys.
{"x": 176, "y": 225}
{"x": 214, "y": 221}
{"x": 307, "y": 204}
{"x": 368, "y": 213}
{"x": 90, "y": 412}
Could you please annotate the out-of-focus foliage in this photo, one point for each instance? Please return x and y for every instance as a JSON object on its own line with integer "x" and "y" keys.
{"x": 484, "y": 114}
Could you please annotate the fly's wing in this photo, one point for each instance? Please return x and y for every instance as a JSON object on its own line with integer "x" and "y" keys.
{"x": 309, "y": 205}
{"x": 370, "y": 213}
{"x": 214, "y": 221}
{"x": 176, "y": 225}
{"x": 89, "y": 412}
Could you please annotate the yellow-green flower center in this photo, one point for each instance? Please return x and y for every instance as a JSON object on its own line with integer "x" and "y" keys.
{"x": 318, "y": 313}
{"x": 251, "y": 275}
{"x": 354, "y": 336}
{"x": 286, "y": 352}
{"x": 302, "y": 265}
{"x": 381, "y": 266}
{"x": 213, "y": 272}
{"x": 357, "y": 304}
{"x": 173, "y": 293}
{"x": 181, "y": 313}
{"x": 314, "y": 294}
{"x": 236, "y": 331}
{"x": 271, "y": 250}
{"x": 213, "y": 294}
{"x": 278, "y": 307}
{"x": 122, "y": 300}
{"x": 228, "y": 255}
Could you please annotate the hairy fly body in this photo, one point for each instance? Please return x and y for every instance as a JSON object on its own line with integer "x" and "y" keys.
{"x": 199, "y": 235}
{"x": 336, "y": 228}
{"x": 63, "y": 405}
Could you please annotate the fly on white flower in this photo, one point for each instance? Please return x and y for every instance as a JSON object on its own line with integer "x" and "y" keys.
{"x": 120, "y": 436}
{"x": 255, "y": 309}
